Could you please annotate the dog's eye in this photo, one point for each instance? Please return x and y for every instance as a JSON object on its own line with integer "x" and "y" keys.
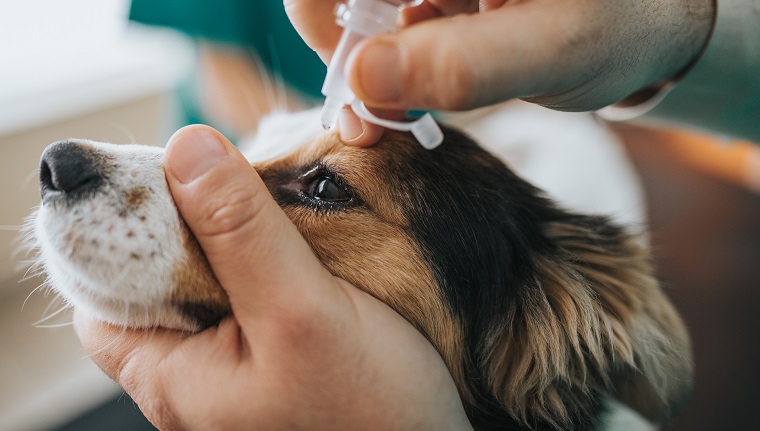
{"x": 325, "y": 189}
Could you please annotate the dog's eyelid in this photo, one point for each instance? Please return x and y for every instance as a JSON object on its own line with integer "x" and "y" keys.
{"x": 312, "y": 173}
{"x": 321, "y": 170}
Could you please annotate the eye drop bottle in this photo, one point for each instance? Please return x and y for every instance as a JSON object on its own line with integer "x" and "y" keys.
{"x": 360, "y": 19}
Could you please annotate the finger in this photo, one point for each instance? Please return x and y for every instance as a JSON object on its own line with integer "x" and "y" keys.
{"x": 250, "y": 243}
{"x": 461, "y": 62}
{"x": 115, "y": 348}
{"x": 357, "y": 132}
{"x": 151, "y": 365}
{"x": 132, "y": 358}
{"x": 422, "y": 12}
{"x": 434, "y": 9}
{"x": 315, "y": 22}
{"x": 451, "y": 7}
{"x": 360, "y": 133}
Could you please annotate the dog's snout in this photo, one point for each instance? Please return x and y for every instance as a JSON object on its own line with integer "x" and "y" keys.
{"x": 69, "y": 169}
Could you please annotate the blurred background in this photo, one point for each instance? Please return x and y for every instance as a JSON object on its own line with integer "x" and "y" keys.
{"x": 80, "y": 68}
{"x": 68, "y": 69}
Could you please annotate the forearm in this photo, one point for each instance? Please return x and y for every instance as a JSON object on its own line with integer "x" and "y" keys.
{"x": 721, "y": 93}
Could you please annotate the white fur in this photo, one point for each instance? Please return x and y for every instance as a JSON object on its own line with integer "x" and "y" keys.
{"x": 87, "y": 248}
{"x": 103, "y": 258}
{"x": 280, "y": 133}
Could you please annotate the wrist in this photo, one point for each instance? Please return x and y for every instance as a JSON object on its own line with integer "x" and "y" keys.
{"x": 700, "y": 17}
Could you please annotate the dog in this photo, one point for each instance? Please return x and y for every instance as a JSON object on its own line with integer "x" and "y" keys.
{"x": 543, "y": 316}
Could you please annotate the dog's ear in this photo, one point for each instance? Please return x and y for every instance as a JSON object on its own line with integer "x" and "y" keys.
{"x": 594, "y": 323}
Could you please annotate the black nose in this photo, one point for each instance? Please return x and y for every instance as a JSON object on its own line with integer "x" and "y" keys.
{"x": 68, "y": 169}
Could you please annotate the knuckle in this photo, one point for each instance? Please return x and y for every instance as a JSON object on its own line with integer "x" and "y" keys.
{"x": 461, "y": 84}
{"x": 149, "y": 395}
{"x": 452, "y": 83}
{"x": 301, "y": 329}
{"x": 127, "y": 370}
{"x": 160, "y": 414}
{"x": 305, "y": 326}
{"x": 232, "y": 213}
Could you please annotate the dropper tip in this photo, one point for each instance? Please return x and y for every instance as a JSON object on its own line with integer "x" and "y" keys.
{"x": 330, "y": 113}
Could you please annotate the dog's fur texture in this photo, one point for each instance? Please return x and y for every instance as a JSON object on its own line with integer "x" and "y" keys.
{"x": 540, "y": 315}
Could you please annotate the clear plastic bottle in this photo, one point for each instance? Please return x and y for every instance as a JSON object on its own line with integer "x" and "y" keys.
{"x": 360, "y": 19}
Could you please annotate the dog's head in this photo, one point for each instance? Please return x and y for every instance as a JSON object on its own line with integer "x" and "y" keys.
{"x": 541, "y": 315}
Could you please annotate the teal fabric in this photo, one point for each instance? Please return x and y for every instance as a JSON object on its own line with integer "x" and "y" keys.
{"x": 259, "y": 25}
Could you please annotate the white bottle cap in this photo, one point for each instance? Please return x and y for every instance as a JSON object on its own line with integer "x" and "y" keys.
{"x": 425, "y": 129}
{"x": 360, "y": 19}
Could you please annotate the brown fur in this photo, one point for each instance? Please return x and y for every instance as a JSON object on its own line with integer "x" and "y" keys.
{"x": 599, "y": 322}
{"x": 134, "y": 198}
{"x": 374, "y": 239}
{"x": 200, "y": 297}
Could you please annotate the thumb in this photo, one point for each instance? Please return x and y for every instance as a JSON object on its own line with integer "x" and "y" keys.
{"x": 250, "y": 243}
{"x": 468, "y": 61}
{"x": 448, "y": 63}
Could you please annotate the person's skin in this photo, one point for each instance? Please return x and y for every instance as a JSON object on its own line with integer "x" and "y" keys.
{"x": 305, "y": 350}
{"x": 573, "y": 55}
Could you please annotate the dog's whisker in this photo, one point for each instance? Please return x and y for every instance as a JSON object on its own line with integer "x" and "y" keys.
{"x": 54, "y": 325}
{"x": 44, "y": 285}
{"x": 29, "y": 178}
{"x": 126, "y": 131}
{"x": 111, "y": 344}
{"x": 35, "y": 270}
{"x": 36, "y": 273}
{"x": 117, "y": 338}
{"x": 30, "y": 273}
{"x": 56, "y": 299}
{"x": 63, "y": 308}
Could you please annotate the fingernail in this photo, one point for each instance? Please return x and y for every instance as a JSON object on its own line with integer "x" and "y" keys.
{"x": 192, "y": 153}
{"x": 380, "y": 73}
{"x": 351, "y": 127}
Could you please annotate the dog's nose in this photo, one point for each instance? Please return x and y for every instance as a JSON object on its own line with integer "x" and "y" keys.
{"x": 68, "y": 169}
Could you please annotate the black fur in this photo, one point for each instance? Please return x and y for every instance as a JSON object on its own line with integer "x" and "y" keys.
{"x": 479, "y": 224}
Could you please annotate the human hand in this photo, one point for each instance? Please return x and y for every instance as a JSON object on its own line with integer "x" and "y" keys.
{"x": 305, "y": 350}
{"x": 571, "y": 55}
